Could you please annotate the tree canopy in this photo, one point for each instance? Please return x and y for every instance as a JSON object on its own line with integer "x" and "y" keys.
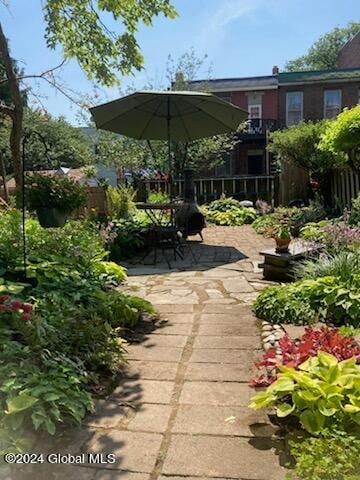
{"x": 341, "y": 137}
{"x": 300, "y": 145}
{"x": 322, "y": 55}
{"x": 80, "y": 28}
{"x": 66, "y": 145}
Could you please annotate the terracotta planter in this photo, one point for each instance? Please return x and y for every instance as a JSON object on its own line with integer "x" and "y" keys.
{"x": 51, "y": 217}
{"x": 282, "y": 244}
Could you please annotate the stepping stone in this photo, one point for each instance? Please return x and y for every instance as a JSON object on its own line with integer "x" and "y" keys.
{"x": 151, "y": 370}
{"x": 170, "y": 328}
{"x": 231, "y": 309}
{"x": 149, "y": 418}
{"x": 159, "y": 340}
{"x": 217, "y": 372}
{"x": 216, "y": 393}
{"x": 134, "y": 451}
{"x": 170, "y": 308}
{"x": 233, "y": 328}
{"x": 228, "y": 342}
{"x": 222, "y": 420}
{"x": 164, "y": 354}
{"x": 212, "y": 456}
{"x": 236, "y": 318}
{"x": 137, "y": 392}
{"x": 223, "y": 356}
{"x": 119, "y": 475}
{"x": 178, "y": 317}
{"x": 107, "y": 414}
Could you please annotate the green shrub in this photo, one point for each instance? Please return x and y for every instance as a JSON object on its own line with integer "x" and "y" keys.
{"x": 120, "y": 201}
{"x": 233, "y": 216}
{"x": 314, "y": 230}
{"x": 321, "y": 392}
{"x": 42, "y": 395}
{"x": 284, "y": 304}
{"x": 342, "y": 265}
{"x": 354, "y": 217}
{"x": 77, "y": 243}
{"x": 326, "y": 298}
{"x": 158, "y": 197}
{"x": 127, "y": 239}
{"x": 333, "y": 456}
{"x": 110, "y": 272}
{"x": 223, "y": 204}
{"x": 53, "y": 192}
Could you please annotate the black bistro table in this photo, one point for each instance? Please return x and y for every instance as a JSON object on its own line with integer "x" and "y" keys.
{"x": 163, "y": 233}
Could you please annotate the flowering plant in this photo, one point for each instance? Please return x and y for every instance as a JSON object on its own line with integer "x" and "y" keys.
{"x": 295, "y": 352}
{"x": 53, "y": 192}
{"x": 10, "y": 305}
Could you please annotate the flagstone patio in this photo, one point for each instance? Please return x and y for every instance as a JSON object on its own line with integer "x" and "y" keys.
{"x": 180, "y": 409}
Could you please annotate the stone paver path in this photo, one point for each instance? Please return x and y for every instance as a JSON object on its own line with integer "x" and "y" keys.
{"x": 181, "y": 407}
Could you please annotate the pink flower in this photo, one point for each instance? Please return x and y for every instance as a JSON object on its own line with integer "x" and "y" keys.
{"x": 27, "y": 307}
{"x": 16, "y": 305}
{"x": 26, "y": 316}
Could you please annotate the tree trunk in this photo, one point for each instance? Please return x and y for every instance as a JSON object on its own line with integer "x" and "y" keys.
{"x": 3, "y": 177}
{"x": 17, "y": 112}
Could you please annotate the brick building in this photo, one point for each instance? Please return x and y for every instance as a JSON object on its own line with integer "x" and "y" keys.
{"x": 349, "y": 55}
{"x": 259, "y": 97}
{"x": 284, "y": 99}
{"x": 316, "y": 95}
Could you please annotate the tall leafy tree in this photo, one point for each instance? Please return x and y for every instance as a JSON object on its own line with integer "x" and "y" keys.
{"x": 342, "y": 137}
{"x": 78, "y": 26}
{"x": 322, "y": 55}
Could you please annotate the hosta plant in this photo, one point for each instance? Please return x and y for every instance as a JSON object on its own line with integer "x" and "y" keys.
{"x": 296, "y": 352}
{"x": 327, "y": 298}
{"x": 320, "y": 392}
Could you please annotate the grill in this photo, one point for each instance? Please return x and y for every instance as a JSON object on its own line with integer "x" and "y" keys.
{"x": 189, "y": 216}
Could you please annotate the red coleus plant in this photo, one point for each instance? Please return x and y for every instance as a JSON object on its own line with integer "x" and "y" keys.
{"x": 295, "y": 352}
{"x": 11, "y": 305}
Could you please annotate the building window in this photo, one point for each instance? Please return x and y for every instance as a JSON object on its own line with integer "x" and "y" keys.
{"x": 294, "y": 108}
{"x": 256, "y": 164}
{"x": 254, "y": 118}
{"x": 332, "y": 103}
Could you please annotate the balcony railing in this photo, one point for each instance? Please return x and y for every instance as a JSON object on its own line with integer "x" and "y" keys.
{"x": 259, "y": 126}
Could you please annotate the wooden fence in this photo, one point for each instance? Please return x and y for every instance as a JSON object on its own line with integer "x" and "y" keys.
{"x": 345, "y": 185}
{"x": 207, "y": 189}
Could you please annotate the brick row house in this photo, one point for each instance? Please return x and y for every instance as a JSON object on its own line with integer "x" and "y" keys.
{"x": 281, "y": 100}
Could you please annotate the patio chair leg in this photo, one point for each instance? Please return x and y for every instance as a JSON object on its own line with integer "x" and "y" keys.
{"x": 192, "y": 253}
{"x": 166, "y": 258}
{"x": 201, "y": 236}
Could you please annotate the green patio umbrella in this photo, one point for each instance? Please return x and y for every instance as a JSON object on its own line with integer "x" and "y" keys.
{"x": 170, "y": 115}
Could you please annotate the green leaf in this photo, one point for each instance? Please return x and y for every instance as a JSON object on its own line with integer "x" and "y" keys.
{"x": 327, "y": 359}
{"x": 284, "y": 409}
{"x": 20, "y": 403}
{"x": 282, "y": 384}
{"x": 313, "y": 422}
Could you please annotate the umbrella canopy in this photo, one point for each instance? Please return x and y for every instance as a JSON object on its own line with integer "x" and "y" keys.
{"x": 170, "y": 115}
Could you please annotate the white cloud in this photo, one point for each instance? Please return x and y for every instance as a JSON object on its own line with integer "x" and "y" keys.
{"x": 228, "y": 12}
{"x": 213, "y": 27}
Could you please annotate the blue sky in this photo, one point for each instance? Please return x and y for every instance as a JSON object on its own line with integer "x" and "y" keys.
{"x": 240, "y": 37}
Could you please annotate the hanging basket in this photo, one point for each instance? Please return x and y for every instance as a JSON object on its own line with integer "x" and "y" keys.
{"x": 51, "y": 217}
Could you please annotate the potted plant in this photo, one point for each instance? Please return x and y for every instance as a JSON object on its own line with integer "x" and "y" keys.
{"x": 281, "y": 232}
{"x": 53, "y": 198}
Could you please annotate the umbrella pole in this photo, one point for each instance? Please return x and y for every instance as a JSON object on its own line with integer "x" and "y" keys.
{"x": 168, "y": 119}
